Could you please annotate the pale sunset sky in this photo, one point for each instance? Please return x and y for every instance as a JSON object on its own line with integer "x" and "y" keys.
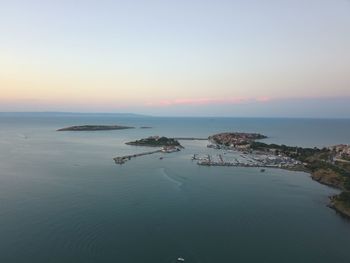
{"x": 273, "y": 58}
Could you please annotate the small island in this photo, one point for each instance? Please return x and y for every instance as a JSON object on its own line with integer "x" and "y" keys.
{"x": 165, "y": 145}
{"x": 156, "y": 141}
{"x": 95, "y": 128}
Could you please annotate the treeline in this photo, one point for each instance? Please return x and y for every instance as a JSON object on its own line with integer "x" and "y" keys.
{"x": 161, "y": 141}
{"x": 302, "y": 154}
{"x": 344, "y": 197}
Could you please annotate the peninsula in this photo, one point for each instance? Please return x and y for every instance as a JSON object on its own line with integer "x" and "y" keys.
{"x": 95, "y": 128}
{"x": 234, "y": 139}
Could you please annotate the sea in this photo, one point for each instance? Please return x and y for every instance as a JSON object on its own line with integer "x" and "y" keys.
{"x": 64, "y": 200}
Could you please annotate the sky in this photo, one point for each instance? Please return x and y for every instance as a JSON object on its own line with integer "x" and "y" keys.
{"x": 243, "y": 58}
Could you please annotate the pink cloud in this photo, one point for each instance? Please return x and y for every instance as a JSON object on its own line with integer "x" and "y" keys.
{"x": 263, "y": 99}
{"x": 204, "y": 101}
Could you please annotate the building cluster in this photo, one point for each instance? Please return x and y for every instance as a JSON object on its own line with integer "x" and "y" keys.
{"x": 341, "y": 150}
{"x": 239, "y": 147}
{"x": 170, "y": 149}
{"x": 236, "y": 139}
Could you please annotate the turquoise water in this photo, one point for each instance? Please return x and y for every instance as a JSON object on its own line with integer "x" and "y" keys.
{"x": 62, "y": 199}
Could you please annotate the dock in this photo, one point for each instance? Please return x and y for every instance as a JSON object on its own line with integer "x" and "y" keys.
{"x": 166, "y": 149}
{"x": 125, "y": 158}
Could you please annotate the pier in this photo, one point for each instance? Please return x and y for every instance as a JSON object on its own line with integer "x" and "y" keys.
{"x": 165, "y": 149}
{"x": 125, "y": 158}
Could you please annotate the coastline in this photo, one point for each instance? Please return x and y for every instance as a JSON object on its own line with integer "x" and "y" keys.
{"x": 339, "y": 207}
{"x": 325, "y": 166}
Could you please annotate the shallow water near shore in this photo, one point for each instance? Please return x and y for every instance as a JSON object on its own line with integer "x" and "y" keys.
{"x": 62, "y": 198}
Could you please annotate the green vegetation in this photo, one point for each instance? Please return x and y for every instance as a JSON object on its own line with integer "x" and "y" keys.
{"x": 344, "y": 197}
{"x": 346, "y": 158}
{"x": 292, "y": 151}
{"x": 341, "y": 203}
{"x": 94, "y": 128}
{"x": 155, "y": 142}
{"x": 314, "y": 158}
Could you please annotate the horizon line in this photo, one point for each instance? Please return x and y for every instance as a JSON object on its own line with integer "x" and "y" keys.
{"x": 170, "y": 116}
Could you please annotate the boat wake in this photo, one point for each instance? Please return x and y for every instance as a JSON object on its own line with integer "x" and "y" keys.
{"x": 21, "y": 135}
{"x": 176, "y": 180}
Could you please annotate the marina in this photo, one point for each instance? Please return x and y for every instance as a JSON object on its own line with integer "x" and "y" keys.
{"x": 238, "y": 159}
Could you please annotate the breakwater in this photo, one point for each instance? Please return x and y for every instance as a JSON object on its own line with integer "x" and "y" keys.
{"x": 125, "y": 158}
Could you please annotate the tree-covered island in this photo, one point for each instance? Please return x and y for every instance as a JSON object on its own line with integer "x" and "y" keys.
{"x": 156, "y": 141}
{"x": 95, "y": 128}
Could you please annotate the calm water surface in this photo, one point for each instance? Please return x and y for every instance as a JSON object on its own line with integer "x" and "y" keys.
{"x": 62, "y": 199}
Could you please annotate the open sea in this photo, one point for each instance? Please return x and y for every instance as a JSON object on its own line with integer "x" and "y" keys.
{"x": 64, "y": 200}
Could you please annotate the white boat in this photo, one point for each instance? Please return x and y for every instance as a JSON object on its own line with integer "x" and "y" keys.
{"x": 180, "y": 259}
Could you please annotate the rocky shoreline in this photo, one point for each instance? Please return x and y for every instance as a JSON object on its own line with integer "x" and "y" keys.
{"x": 339, "y": 206}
